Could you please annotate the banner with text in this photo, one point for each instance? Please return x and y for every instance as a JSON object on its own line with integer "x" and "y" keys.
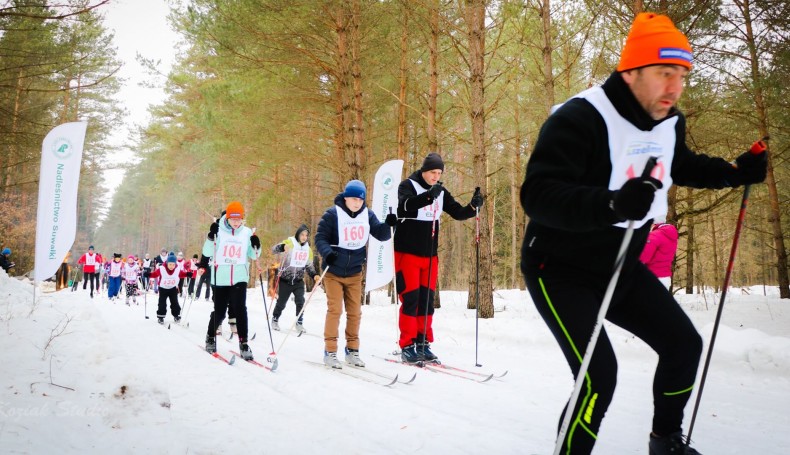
{"x": 56, "y": 226}
{"x": 381, "y": 258}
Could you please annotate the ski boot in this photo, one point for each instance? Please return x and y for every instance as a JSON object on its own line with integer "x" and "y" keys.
{"x": 177, "y": 319}
{"x": 424, "y": 352}
{"x": 245, "y": 351}
{"x": 674, "y": 444}
{"x": 161, "y": 321}
{"x": 330, "y": 360}
{"x": 352, "y": 358}
{"x": 408, "y": 354}
{"x": 275, "y": 325}
{"x": 300, "y": 328}
{"x": 211, "y": 344}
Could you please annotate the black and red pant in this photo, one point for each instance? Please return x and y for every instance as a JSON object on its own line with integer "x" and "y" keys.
{"x": 569, "y": 305}
{"x": 416, "y": 312}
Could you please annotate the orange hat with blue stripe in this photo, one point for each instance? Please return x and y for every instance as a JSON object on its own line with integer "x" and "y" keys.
{"x": 654, "y": 40}
{"x": 234, "y": 210}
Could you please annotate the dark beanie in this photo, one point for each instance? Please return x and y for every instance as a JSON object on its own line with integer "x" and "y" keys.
{"x": 431, "y": 162}
{"x": 303, "y": 227}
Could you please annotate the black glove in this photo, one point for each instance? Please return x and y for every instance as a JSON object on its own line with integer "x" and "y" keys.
{"x": 633, "y": 200}
{"x": 213, "y": 230}
{"x": 279, "y": 248}
{"x": 391, "y": 220}
{"x": 435, "y": 190}
{"x": 11, "y": 265}
{"x": 203, "y": 264}
{"x": 331, "y": 258}
{"x": 751, "y": 167}
{"x": 255, "y": 242}
{"x": 477, "y": 199}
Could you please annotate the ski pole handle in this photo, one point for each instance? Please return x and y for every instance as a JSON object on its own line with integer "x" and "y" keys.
{"x": 759, "y": 146}
{"x": 651, "y": 163}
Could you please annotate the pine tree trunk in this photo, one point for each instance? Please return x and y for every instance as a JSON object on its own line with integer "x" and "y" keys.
{"x": 433, "y": 90}
{"x": 475, "y": 20}
{"x": 404, "y": 80}
{"x": 775, "y": 217}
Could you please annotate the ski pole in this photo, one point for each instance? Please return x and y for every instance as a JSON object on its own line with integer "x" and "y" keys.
{"x": 145, "y": 299}
{"x": 756, "y": 149}
{"x": 607, "y": 299}
{"x": 395, "y": 288}
{"x": 430, "y": 267}
{"x": 477, "y": 276}
{"x": 273, "y": 355}
{"x": 304, "y": 307}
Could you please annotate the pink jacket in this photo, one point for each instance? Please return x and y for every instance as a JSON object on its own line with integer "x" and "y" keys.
{"x": 660, "y": 249}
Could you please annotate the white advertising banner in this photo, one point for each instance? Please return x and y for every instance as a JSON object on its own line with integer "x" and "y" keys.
{"x": 381, "y": 257}
{"x": 56, "y": 226}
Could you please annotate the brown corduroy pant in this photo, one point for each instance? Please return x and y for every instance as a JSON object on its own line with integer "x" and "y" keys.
{"x": 339, "y": 291}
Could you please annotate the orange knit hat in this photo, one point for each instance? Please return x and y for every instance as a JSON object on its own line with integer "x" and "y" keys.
{"x": 234, "y": 210}
{"x": 654, "y": 40}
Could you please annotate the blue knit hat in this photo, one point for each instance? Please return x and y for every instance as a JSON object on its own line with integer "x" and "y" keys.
{"x": 6, "y": 251}
{"x": 355, "y": 188}
{"x": 171, "y": 258}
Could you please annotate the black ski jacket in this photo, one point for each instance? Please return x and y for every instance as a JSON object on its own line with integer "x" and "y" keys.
{"x": 413, "y": 236}
{"x": 565, "y": 191}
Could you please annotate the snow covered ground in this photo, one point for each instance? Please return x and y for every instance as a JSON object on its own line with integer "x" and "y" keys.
{"x": 114, "y": 382}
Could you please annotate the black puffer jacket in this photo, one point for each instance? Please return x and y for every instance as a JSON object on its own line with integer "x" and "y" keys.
{"x": 348, "y": 262}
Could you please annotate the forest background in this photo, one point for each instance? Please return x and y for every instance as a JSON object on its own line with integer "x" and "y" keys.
{"x": 278, "y": 103}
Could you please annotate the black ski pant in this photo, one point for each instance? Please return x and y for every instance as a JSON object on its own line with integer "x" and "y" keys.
{"x": 93, "y": 278}
{"x": 569, "y": 302}
{"x": 204, "y": 279}
{"x": 232, "y": 299}
{"x": 191, "y": 287}
{"x": 284, "y": 291}
{"x": 164, "y": 295}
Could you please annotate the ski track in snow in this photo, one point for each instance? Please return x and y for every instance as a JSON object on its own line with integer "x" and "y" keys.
{"x": 139, "y": 387}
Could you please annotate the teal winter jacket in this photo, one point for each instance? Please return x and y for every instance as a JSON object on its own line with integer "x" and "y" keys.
{"x": 230, "y": 274}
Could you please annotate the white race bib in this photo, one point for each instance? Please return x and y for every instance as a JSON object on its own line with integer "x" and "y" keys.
{"x": 231, "y": 250}
{"x": 130, "y": 273}
{"x": 299, "y": 254}
{"x": 352, "y": 233}
{"x": 90, "y": 259}
{"x": 630, "y": 148}
{"x": 115, "y": 268}
{"x": 167, "y": 281}
{"x": 432, "y": 211}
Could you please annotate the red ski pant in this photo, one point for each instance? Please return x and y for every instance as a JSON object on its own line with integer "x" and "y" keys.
{"x": 416, "y": 296}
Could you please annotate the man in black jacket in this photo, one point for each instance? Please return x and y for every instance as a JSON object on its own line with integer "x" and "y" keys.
{"x": 581, "y": 188}
{"x": 421, "y": 200}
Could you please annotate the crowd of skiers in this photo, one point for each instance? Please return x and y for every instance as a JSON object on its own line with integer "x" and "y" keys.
{"x": 584, "y": 189}
{"x": 133, "y": 274}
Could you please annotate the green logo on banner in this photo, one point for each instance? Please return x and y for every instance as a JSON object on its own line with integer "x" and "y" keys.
{"x": 62, "y": 148}
{"x": 387, "y": 181}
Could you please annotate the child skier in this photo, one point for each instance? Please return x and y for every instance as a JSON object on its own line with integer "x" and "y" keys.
{"x": 230, "y": 245}
{"x": 114, "y": 276}
{"x": 168, "y": 289}
{"x": 90, "y": 263}
{"x": 298, "y": 259}
{"x": 341, "y": 239}
{"x": 131, "y": 273}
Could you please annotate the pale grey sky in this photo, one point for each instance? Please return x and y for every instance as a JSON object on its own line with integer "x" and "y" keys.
{"x": 140, "y": 27}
